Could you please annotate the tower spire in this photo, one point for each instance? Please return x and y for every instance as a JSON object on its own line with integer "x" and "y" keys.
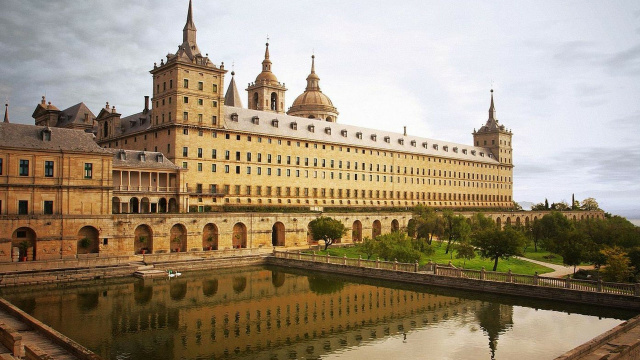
{"x": 313, "y": 80}
{"x": 189, "y": 31}
{"x": 492, "y": 108}
{"x": 6, "y": 112}
{"x": 232, "y": 97}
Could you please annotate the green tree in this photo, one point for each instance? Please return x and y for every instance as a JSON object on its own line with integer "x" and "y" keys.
{"x": 480, "y": 222}
{"x": 427, "y": 223}
{"x": 368, "y": 247}
{"x": 589, "y": 204}
{"x": 456, "y": 228}
{"x": 327, "y": 229}
{"x": 560, "y": 206}
{"x": 538, "y": 207}
{"x": 551, "y": 228}
{"x": 397, "y": 246}
{"x": 574, "y": 248}
{"x": 618, "y": 267}
{"x": 546, "y": 204}
{"x": 517, "y": 206}
{"x": 499, "y": 244}
{"x": 466, "y": 251}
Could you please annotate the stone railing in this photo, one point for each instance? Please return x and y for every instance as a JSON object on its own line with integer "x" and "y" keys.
{"x": 479, "y": 275}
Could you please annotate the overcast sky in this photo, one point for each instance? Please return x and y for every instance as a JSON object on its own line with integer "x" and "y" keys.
{"x": 566, "y": 74}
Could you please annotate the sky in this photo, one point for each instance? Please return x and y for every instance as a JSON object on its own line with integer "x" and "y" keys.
{"x": 566, "y": 74}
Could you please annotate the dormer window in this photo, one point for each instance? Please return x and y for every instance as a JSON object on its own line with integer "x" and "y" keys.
{"x": 464, "y": 151}
{"x": 160, "y": 158}
{"x": 255, "y": 120}
{"x": 123, "y": 155}
{"x": 482, "y": 154}
{"x": 374, "y": 137}
{"x": 473, "y": 152}
{"x": 435, "y": 146}
{"x": 490, "y": 156}
{"x": 311, "y": 128}
{"x": 46, "y": 134}
{"x": 413, "y": 143}
{"x": 455, "y": 149}
{"x": 132, "y": 123}
{"x": 359, "y": 135}
{"x": 343, "y": 133}
{"x": 387, "y": 139}
{"x": 425, "y": 145}
{"x": 142, "y": 157}
{"x": 294, "y": 125}
{"x": 234, "y": 117}
{"x": 445, "y": 148}
{"x": 401, "y": 141}
{"x": 327, "y": 130}
{"x": 274, "y": 122}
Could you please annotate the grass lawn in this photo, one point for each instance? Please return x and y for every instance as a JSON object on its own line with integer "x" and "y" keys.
{"x": 543, "y": 255}
{"x": 517, "y": 266}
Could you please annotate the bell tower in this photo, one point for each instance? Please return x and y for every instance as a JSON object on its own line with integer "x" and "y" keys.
{"x": 495, "y": 137}
{"x": 266, "y": 93}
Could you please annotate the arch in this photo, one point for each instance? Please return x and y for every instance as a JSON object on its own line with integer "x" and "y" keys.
{"x": 508, "y": 222}
{"x": 518, "y": 221}
{"x": 499, "y": 222}
{"x": 376, "y": 229}
{"x": 143, "y": 239}
{"x": 239, "y": 237}
{"x": 115, "y": 205}
{"x": 105, "y": 129}
{"x": 255, "y": 100}
{"x": 395, "y": 225}
{"x": 239, "y": 284}
{"x": 173, "y": 205}
{"x": 23, "y": 244}
{"x": 526, "y": 222}
{"x": 574, "y": 218}
{"x": 134, "y": 205}
{"x": 210, "y": 287}
{"x": 356, "y": 231}
{"x": 145, "y": 205}
{"x": 88, "y": 241}
{"x": 162, "y": 205}
{"x": 274, "y": 101}
{"x": 178, "y": 238}
{"x": 210, "y": 237}
{"x": 277, "y": 234}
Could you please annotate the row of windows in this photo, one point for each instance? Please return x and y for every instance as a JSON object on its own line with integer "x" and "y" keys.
{"x": 185, "y": 117}
{"x": 185, "y": 84}
{"x": 23, "y": 168}
{"x": 288, "y": 191}
{"x": 23, "y": 207}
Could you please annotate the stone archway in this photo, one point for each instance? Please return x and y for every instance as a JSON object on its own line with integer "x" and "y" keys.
{"x": 210, "y": 237}
{"x": 23, "y": 244}
{"x": 526, "y": 222}
{"x": 395, "y": 225}
{"x": 134, "y": 205}
{"x": 162, "y": 205}
{"x": 277, "y": 234}
{"x": 173, "y": 205}
{"x": 499, "y": 222}
{"x": 508, "y": 222}
{"x": 178, "y": 238}
{"x": 518, "y": 221}
{"x": 356, "y": 231}
{"x": 143, "y": 240}
{"x": 376, "y": 229}
{"x": 145, "y": 205}
{"x": 239, "y": 236}
{"x": 88, "y": 241}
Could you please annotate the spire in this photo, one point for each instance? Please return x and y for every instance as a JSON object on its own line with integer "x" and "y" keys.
{"x": 492, "y": 109}
{"x": 232, "y": 97}
{"x": 6, "y": 112}
{"x": 189, "y": 31}
{"x": 266, "y": 63}
{"x": 313, "y": 80}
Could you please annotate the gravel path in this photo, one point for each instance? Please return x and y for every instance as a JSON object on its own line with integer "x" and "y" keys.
{"x": 558, "y": 270}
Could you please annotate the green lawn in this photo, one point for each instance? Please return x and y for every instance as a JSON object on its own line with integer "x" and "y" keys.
{"x": 543, "y": 255}
{"x": 516, "y": 266}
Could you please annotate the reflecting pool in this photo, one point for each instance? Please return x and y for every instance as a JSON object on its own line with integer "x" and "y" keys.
{"x": 277, "y": 313}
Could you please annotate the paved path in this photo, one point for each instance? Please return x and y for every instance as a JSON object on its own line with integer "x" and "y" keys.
{"x": 558, "y": 270}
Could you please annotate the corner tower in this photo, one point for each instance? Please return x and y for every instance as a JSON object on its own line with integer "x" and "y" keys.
{"x": 266, "y": 93}
{"x": 495, "y": 137}
{"x": 187, "y": 88}
{"x": 313, "y": 104}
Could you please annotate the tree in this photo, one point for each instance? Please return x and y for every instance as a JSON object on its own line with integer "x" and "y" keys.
{"x": 456, "y": 228}
{"x": 574, "y": 248}
{"x": 546, "y": 204}
{"x": 327, "y": 229}
{"x": 618, "y": 268}
{"x": 396, "y": 246}
{"x": 538, "y": 207}
{"x": 368, "y": 247}
{"x": 550, "y": 229}
{"x": 589, "y": 204}
{"x": 427, "y": 223}
{"x": 560, "y": 206}
{"x": 480, "y": 222}
{"x": 517, "y": 206}
{"x": 465, "y": 251}
{"x": 499, "y": 244}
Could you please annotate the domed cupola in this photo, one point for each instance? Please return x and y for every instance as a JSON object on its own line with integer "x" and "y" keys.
{"x": 312, "y": 103}
{"x": 266, "y": 93}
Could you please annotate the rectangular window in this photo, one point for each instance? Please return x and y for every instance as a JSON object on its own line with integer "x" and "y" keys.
{"x": 248, "y": 156}
{"x": 199, "y": 166}
{"x": 237, "y": 169}
{"x": 185, "y": 151}
{"x": 88, "y": 170}
{"x": 24, "y": 168}
{"x": 48, "y": 208}
{"x": 259, "y": 170}
{"x": 259, "y": 157}
{"x": 214, "y": 103}
{"x": 200, "y": 102}
{"x": 258, "y": 190}
{"x": 0, "y": 166}
{"x": 23, "y": 207}
{"x": 214, "y": 120}
{"x": 185, "y": 116}
{"x": 185, "y": 99}
{"x": 200, "y": 118}
{"x": 200, "y": 85}
{"x": 248, "y": 170}
{"x": 48, "y": 169}
{"x": 215, "y": 88}
{"x": 226, "y": 155}
{"x": 213, "y": 167}
{"x": 226, "y": 169}
{"x": 184, "y": 164}
{"x": 186, "y": 83}
{"x": 213, "y": 153}
{"x": 237, "y": 155}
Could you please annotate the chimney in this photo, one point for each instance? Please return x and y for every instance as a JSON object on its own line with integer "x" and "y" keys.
{"x": 107, "y": 106}
{"x": 113, "y": 110}
{"x": 146, "y": 104}
{"x": 405, "y": 131}
{"x": 44, "y": 101}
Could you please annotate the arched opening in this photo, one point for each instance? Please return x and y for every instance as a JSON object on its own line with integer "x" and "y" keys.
{"x": 574, "y": 218}
{"x": 210, "y": 237}
{"x": 88, "y": 240}
{"x": 239, "y": 236}
{"x": 255, "y": 101}
{"x": 23, "y": 244}
{"x": 145, "y": 206}
{"x": 178, "y": 238}
{"x": 356, "y": 231}
{"x": 134, "y": 205}
{"x": 143, "y": 240}
{"x": 518, "y": 221}
{"x": 210, "y": 287}
{"x": 376, "y": 229}
{"x": 395, "y": 226}
{"x": 105, "y": 129}
{"x": 311, "y": 117}
{"x": 115, "y": 205}
{"x": 274, "y": 101}
{"x": 162, "y": 205}
{"x": 173, "y": 205}
{"x": 277, "y": 234}
{"x": 499, "y": 222}
{"x": 508, "y": 222}
{"x": 526, "y": 222}
{"x": 239, "y": 284}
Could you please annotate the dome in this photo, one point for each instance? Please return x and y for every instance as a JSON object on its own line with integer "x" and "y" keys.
{"x": 267, "y": 76}
{"x": 312, "y": 102}
{"x": 312, "y": 98}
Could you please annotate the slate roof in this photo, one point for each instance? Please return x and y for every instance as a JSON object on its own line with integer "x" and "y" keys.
{"x": 30, "y": 137}
{"x": 136, "y": 122}
{"x": 76, "y": 115}
{"x": 133, "y": 159}
{"x": 348, "y": 135}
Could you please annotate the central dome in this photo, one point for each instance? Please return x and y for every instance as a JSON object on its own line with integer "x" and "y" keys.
{"x": 312, "y": 103}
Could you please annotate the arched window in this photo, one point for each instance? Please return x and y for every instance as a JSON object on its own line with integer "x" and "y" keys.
{"x": 274, "y": 101}
{"x": 255, "y": 101}
{"x": 105, "y": 131}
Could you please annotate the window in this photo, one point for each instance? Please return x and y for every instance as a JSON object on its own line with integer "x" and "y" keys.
{"x": 48, "y": 169}
{"x": 0, "y": 166}
{"x": 226, "y": 169}
{"x": 186, "y": 83}
{"x": 248, "y": 156}
{"x": 213, "y": 168}
{"x": 200, "y": 119}
{"x": 23, "y": 207}
{"x": 214, "y": 120}
{"x": 200, "y": 167}
{"x": 185, "y": 99}
{"x": 47, "y": 209}
{"x": 214, "y": 153}
{"x": 215, "y": 104}
{"x": 88, "y": 170}
{"x": 24, "y": 168}
{"x": 227, "y": 155}
{"x": 200, "y": 153}
{"x": 200, "y": 85}
{"x": 215, "y": 88}
{"x": 200, "y": 102}
{"x": 185, "y": 151}
{"x": 185, "y": 116}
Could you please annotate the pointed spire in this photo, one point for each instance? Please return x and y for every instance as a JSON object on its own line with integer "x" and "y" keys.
{"x": 6, "y": 112}
{"x": 189, "y": 31}
{"x": 492, "y": 109}
{"x": 266, "y": 63}
{"x": 232, "y": 97}
{"x": 313, "y": 80}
